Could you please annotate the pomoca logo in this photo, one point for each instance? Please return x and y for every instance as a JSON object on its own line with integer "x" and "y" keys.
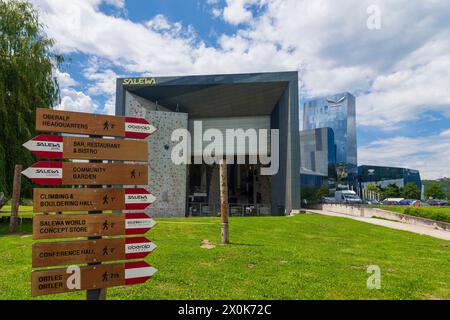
{"x": 139, "y": 81}
{"x": 139, "y": 247}
{"x": 141, "y": 127}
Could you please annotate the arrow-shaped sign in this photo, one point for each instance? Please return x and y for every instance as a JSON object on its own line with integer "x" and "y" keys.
{"x": 92, "y": 124}
{"x": 62, "y": 280}
{"x": 90, "y": 225}
{"x": 76, "y": 173}
{"x": 65, "y": 147}
{"x": 89, "y": 251}
{"x": 82, "y": 199}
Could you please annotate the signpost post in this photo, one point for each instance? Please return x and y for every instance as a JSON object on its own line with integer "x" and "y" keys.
{"x": 93, "y": 198}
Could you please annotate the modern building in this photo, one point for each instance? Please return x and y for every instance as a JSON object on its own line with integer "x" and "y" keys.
{"x": 337, "y": 112}
{"x": 318, "y": 150}
{"x": 312, "y": 180}
{"x": 261, "y": 101}
{"x": 384, "y": 176}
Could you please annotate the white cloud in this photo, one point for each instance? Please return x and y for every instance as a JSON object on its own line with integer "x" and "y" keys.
{"x": 102, "y": 80}
{"x": 72, "y": 100}
{"x": 116, "y": 3}
{"x": 238, "y": 11}
{"x": 428, "y": 154}
{"x": 64, "y": 79}
{"x": 398, "y": 71}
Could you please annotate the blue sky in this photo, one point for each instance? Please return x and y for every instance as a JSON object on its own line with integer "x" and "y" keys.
{"x": 399, "y": 71}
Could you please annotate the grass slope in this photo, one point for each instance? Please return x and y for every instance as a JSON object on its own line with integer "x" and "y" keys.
{"x": 303, "y": 257}
{"x": 433, "y": 213}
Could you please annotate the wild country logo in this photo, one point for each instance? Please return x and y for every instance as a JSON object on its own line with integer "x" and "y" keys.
{"x": 234, "y": 143}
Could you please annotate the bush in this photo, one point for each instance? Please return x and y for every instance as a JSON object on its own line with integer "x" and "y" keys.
{"x": 433, "y": 214}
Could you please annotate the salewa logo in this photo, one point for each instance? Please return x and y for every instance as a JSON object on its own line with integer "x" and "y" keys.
{"x": 336, "y": 103}
{"x": 139, "y": 81}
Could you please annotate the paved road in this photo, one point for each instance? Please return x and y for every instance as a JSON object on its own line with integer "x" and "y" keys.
{"x": 440, "y": 234}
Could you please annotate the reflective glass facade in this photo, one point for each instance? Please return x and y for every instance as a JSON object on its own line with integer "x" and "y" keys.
{"x": 337, "y": 112}
{"x": 383, "y": 176}
{"x": 318, "y": 150}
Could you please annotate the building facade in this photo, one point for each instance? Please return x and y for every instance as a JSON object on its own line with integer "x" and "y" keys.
{"x": 261, "y": 101}
{"x": 318, "y": 150}
{"x": 337, "y": 112}
{"x": 384, "y": 176}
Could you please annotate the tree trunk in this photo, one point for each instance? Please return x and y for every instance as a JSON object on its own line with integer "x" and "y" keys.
{"x": 224, "y": 201}
{"x": 15, "y": 199}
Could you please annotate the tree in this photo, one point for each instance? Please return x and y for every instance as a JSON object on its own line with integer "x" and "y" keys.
{"x": 26, "y": 83}
{"x": 411, "y": 191}
{"x": 374, "y": 189}
{"x": 391, "y": 191}
{"x": 435, "y": 191}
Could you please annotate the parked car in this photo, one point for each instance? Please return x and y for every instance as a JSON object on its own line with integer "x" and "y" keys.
{"x": 407, "y": 202}
{"x": 392, "y": 201}
{"x": 438, "y": 203}
{"x": 347, "y": 196}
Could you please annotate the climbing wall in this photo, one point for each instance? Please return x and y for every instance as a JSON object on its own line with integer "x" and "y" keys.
{"x": 167, "y": 181}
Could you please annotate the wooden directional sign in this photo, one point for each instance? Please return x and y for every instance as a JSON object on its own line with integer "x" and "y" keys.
{"x": 74, "y": 226}
{"x": 74, "y": 173}
{"x": 91, "y": 124}
{"x": 82, "y": 199}
{"x": 62, "y": 147}
{"x": 89, "y": 251}
{"x": 53, "y": 281}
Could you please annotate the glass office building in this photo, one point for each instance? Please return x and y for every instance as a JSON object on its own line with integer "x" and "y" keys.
{"x": 337, "y": 112}
{"x": 384, "y": 176}
{"x": 318, "y": 151}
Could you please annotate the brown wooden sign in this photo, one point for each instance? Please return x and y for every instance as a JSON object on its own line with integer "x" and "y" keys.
{"x": 74, "y": 278}
{"x": 90, "y": 225}
{"x": 75, "y": 173}
{"x": 65, "y": 147}
{"x": 90, "y": 251}
{"x": 92, "y": 124}
{"x": 83, "y": 199}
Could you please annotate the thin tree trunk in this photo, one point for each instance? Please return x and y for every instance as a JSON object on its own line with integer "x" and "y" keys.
{"x": 15, "y": 199}
{"x": 224, "y": 201}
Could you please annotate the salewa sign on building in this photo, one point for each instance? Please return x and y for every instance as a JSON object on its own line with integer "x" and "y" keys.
{"x": 139, "y": 81}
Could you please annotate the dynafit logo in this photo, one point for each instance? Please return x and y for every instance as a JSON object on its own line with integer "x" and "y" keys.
{"x": 139, "y": 81}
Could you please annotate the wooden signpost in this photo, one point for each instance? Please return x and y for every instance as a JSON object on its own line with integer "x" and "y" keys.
{"x": 75, "y": 173}
{"x": 92, "y": 198}
{"x": 74, "y": 226}
{"x": 99, "y": 125}
{"x": 83, "y": 199}
{"x": 53, "y": 281}
{"x": 88, "y": 251}
{"x": 63, "y": 147}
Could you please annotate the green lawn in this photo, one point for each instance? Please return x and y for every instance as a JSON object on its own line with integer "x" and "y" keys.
{"x": 433, "y": 213}
{"x": 24, "y": 211}
{"x": 302, "y": 257}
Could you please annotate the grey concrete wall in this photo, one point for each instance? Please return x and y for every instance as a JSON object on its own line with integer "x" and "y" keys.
{"x": 360, "y": 211}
